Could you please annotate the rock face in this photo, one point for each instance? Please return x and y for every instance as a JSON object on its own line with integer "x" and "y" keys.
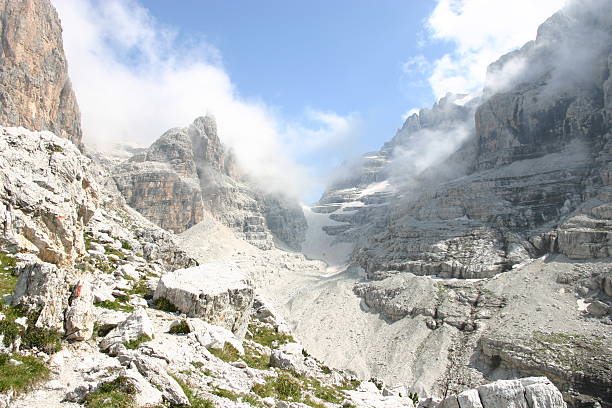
{"x": 220, "y": 294}
{"x": 135, "y": 326}
{"x": 524, "y": 393}
{"x": 532, "y": 175}
{"x": 47, "y": 194}
{"x": 35, "y": 91}
{"x": 187, "y": 171}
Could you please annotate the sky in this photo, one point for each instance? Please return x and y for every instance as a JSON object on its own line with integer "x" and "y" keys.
{"x": 296, "y": 87}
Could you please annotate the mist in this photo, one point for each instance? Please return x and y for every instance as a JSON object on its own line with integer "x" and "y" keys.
{"x": 134, "y": 80}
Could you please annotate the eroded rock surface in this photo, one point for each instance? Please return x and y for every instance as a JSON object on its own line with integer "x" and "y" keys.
{"x": 35, "y": 90}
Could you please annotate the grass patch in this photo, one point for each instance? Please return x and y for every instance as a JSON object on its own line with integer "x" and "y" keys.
{"x": 140, "y": 288}
{"x": 252, "y": 400}
{"x": 126, "y": 245}
{"x": 165, "y": 305}
{"x": 115, "y": 305}
{"x": 53, "y": 148}
{"x": 267, "y": 336}
{"x": 134, "y": 344}
{"x": 228, "y": 353}
{"x": 194, "y": 400}
{"x": 181, "y": 328}
{"x": 21, "y": 377}
{"x": 230, "y": 395}
{"x": 8, "y": 279}
{"x": 43, "y": 339}
{"x": 283, "y": 387}
{"x": 255, "y": 359}
{"x": 112, "y": 251}
{"x": 118, "y": 393}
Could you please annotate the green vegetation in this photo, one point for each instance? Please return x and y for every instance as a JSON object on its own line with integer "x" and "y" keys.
{"x": 134, "y": 344}
{"x": 47, "y": 340}
{"x": 112, "y": 251}
{"x": 8, "y": 279}
{"x": 140, "y": 288}
{"x": 267, "y": 336}
{"x": 20, "y": 377}
{"x": 116, "y": 304}
{"x": 223, "y": 393}
{"x": 181, "y": 328}
{"x": 414, "y": 397}
{"x": 285, "y": 387}
{"x": 43, "y": 339}
{"x": 53, "y": 148}
{"x": 118, "y": 393}
{"x": 228, "y": 353}
{"x": 126, "y": 245}
{"x": 255, "y": 359}
{"x": 165, "y": 305}
{"x": 194, "y": 400}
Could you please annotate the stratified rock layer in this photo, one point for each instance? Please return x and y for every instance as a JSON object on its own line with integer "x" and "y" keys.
{"x": 35, "y": 91}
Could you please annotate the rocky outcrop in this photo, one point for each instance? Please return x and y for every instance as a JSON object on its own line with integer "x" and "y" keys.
{"x": 523, "y": 393}
{"x": 35, "y": 91}
{"x": 135, "y": 327}
{"x": 48, "y": 193}
{"x": 530, "y": 177}
{"x": 187, "y": 172}
{"x": 218, "y": 293}
{"x": 42, "y": 289}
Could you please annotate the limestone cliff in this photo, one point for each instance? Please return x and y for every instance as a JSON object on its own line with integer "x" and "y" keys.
{"x": 187, "y": 171}
{"x": 35, "y": 91}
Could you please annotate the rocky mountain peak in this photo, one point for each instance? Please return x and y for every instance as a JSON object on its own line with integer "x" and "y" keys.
{"x": 35, "y": 90}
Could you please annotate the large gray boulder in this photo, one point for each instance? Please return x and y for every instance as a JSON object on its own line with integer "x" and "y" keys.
{"x": 42, "y": 288}
{"x": 530, "y": 392}
{"x": 80, "y": 317}
{"x": 218, "y": 293}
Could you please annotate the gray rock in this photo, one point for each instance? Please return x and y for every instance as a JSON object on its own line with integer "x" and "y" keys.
{"x": 154, "y": 371}
{"x": 134, "y": 326}
{"x": 80, "y": 317}
{"x": 42, "y": 288}
{"x": 219, "y": 293}
{"x": 37, "y": 93}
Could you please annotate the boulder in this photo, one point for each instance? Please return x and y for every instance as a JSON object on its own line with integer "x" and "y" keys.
{"x": 211, "y": 336}
{"x": 136, "y": 325}
{"x": 218, "y": 293}
{"x": 42, "y": 288}
{"x": 154, "y": 371}
{"x": 80, "y": 317}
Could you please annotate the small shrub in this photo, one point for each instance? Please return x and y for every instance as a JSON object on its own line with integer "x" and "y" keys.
{"x": 10, "y": 330}
{"x": 47, "y": 340}
{"x": 21, "y": 377}
{"x": 165, "y": 305}
{"x": 118, "y": 393}
{"x": 181, "y": 328}
{"x": 414, "y": 397}
{"x": 140, "y": 288}
{"x": 53, "y": 148}
{"x": 134, "y": 344}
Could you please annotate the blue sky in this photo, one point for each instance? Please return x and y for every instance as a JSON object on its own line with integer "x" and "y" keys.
{"x": 344, "y": 56}
{"x": 296, "y": 86}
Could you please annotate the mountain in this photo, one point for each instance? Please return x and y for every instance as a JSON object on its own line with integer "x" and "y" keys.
{"x": 188, "y": 172}
{"x": 466, "y": 263}
{"x": 35, "y": 90}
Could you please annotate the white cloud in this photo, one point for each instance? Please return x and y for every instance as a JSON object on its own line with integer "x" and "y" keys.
{"x": 134, "y": 80}
{"x": 480, "y": 32}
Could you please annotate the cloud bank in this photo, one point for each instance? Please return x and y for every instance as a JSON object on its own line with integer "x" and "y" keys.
{"x": 479, "y": 32}
{"x": 135, "y": 79}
